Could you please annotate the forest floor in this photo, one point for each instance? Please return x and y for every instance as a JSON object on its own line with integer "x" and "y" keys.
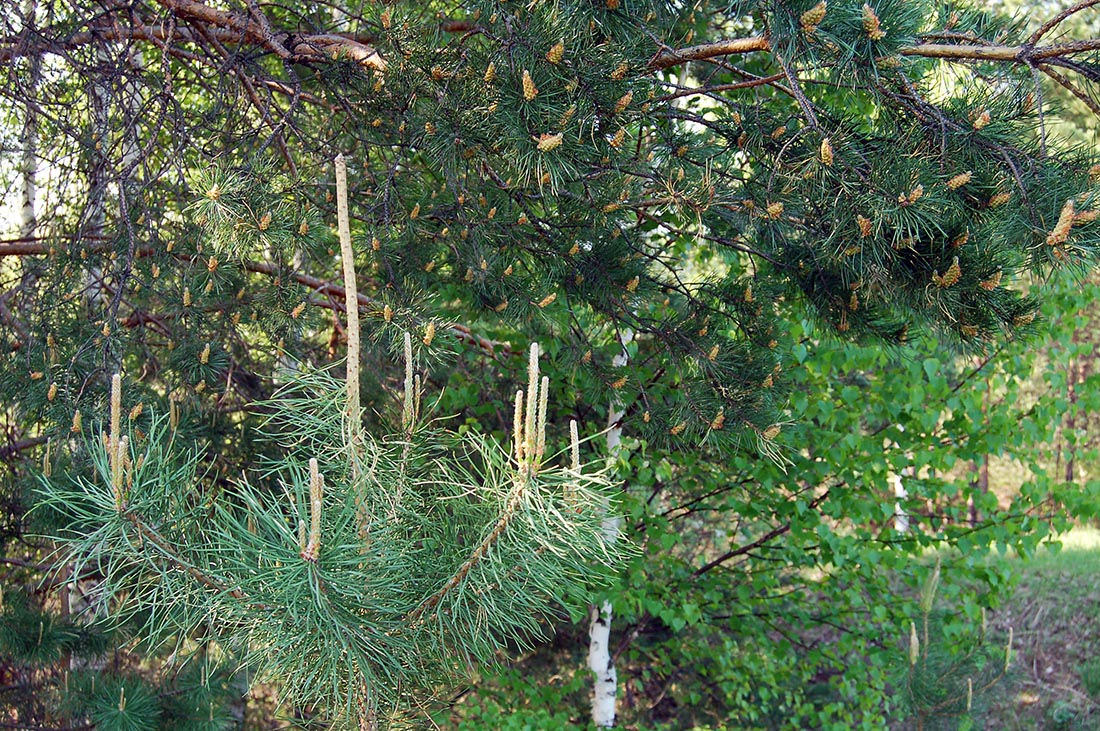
{"x": 1054, "y": 612}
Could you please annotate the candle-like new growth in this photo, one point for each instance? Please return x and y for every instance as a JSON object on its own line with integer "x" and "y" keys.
{"x": 410, "y": 389}
{"x": 116, "y": 422}
{"x": 574, "y": 446}
{"x": 351, "y": 297}
{"x": 530, "y": 438}
{"x": 117, "y": 446}
{"x": 1008, "y": 650}
{"x": 914, "y": 644}
{"x": 126, "y": 475}
{"x": 540, "y": 427}
{"x": 517, "y": 428}
{"x": 122, "y": 459}
{"x": 928, "y": 592}
{"x": 316, "y": 490}
{"x": 529, "y": 419}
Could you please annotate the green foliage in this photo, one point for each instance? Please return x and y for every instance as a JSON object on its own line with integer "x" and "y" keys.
{"x": 950, "y": 669}
{"x": 1090, "y": 677}
{"x": 131, "y": 703}
{"x": 429, "y": 551}
{"x": 29, "y": 635}
{"x": 126, "y": 704}
{"x": 827, "y": 242}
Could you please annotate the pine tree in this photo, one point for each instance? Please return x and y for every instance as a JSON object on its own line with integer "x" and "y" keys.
{"x": 356, "y": 570}
{"x": 521, "y": 173}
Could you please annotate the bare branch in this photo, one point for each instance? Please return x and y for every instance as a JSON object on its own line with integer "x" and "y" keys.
{"x": 1069, "y": 86}
{"x": 225, "y": 26}
{"x": 1053, "y": 22}
{"x": 979, "y": 51}
{"x": 734, "y": 46}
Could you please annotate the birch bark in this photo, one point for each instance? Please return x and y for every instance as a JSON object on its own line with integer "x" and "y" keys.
{"x": 28, "y": 165}
{"x": 600, "y": 661}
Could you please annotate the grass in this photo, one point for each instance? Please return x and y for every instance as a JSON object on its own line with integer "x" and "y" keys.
{"x": 1054, "y": 612}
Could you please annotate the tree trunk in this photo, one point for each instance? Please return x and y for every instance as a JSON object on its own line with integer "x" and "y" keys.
{"x": 901, "y": 518}
{"x": 1069, "y": 432}
{"x": 980, "y": 484}
{"x": 95, "y": 213}
{"x": 600, "y": 661}
{"x": 28, "y": 166}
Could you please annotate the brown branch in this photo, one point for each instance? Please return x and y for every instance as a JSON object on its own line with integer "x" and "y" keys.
{"x": 250, "y": 92}
{"x": 948, "y": 51}
{"x": 10, "y": 49}
{"x": 760, "y": 81}
{"x": 799, "y": 95}
{"x": 23, "y": 247}
{"x": 465, "y": 26}
{"x": 766, "y": 538}
{"x": 162, "y": 544}
{"x": 1050, "y": 24}
{"x": 10, "y": 450}
{"x": 225, "y": 26}
{"x": 21, "y": 563}
{"x": 1015, "y": 54}
{"x": 1069, "y": 86}
{"x": 674, "y": 57}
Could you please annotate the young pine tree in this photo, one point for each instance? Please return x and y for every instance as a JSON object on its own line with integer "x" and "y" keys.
{"x": 360, "y": 572}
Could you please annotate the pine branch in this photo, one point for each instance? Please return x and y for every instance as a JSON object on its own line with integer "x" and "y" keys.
{"x": 1063, "y": 81}
{"x": 476, "y": 555}
{"x": 21, "y": 445}
{"x": 730, "y": 47}
{"x": 18, "y": 247}
{"x": 296, "y": 49}
{"x": 1026, "y": 54}
{"x": 1053, "y": 22}
{"x": 351, "y": 299}
{"x": 166, "y": 549}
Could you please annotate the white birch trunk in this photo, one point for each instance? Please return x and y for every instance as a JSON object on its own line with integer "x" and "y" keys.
{"x": 28, "y": 171}
{"x": 605, "y": 687}
{"x": 28, "y": 165}
{"x": 901, "y": 518}
{"x": 96, "y": 216}
{"x": 600, "y": 661}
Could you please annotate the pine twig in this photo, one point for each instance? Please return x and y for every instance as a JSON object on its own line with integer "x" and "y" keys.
{"x": 166, "y": 549}
{"x": 475, "y": 557}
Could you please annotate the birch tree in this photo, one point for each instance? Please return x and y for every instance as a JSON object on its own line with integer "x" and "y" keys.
{"x": 600, "y": 661}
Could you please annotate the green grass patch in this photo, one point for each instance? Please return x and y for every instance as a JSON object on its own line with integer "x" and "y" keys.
{"x": 1054, "y": 612}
